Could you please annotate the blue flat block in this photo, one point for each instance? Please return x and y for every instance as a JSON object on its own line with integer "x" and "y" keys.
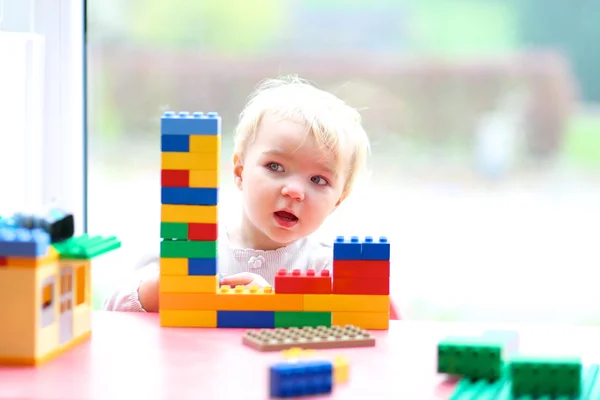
{"x": 375, "y": 249}
{"x": 202, "y": 266}
{"x": 189, "y": 196}
{"x": 175, "y": 143}
{"x": 245, "y": 319}
{"x": 300, "y": 378}
{"x": 195, "y": 124}
{"x": 22, "y": 242}
{"x": 347, "y": 249}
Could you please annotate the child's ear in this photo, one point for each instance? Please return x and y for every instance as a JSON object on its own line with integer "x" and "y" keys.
{"x": 238, "y": 169}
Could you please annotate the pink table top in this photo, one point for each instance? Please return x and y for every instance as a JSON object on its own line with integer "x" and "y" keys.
{"x": 131, "y": 357}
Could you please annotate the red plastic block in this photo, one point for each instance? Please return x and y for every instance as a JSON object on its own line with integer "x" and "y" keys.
{"x": 380, "y": 286}
{"x": 296, "y": 282}
{"x": 361, "y": 269}
{"x": 203, "y": 232}
{"x": 174, "y": 178}
{"x": 3, "y": 261}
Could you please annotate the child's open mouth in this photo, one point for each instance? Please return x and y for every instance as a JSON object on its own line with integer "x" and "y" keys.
{"x": 285, "y": 219}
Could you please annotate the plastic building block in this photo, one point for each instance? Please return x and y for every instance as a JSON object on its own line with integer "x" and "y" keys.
{"x": 300, "y": 319}
{"x": 21, "y": 242}
{"x": 469, "y": 389}
{"x": 347, "y": 249}
{"x": 298, "y": 282}
{"x": 205, "y": 144}
{"x": 195, "y": 124}
{"x": 341, "y": 370}
{"x": 174, "y": 266}
{"x": 59, "y": 224}
{"x": 361, "y": 269}
{"x": 188, "y": 214}
{"x": 471, "y": 357}
{"x": 245, "y": 319}
{"x": 366, "y": 320}
{"x": 203, "y": 232}
{"x": 174, "y": 178}
{"x": 334, "y": 337}
{"x": 378, "y": 249}
{"x": 207, "y": 179}
{"x": 301, "y": 378}
{"x": 86, "y": 247}
{"x": 188, "y": 318}
{"x": 297, "y": 352}
{"x": 174, "y": 143}
{"x": 347, "y": 302}
{"x": 173, "y": 230}
{"x": 187, "y": 195}
{"x": 202, "y": 266}
{"x": 373, "y": 286}
{"x": 188, "y": 249}
{"x": 189, "y": 161}
{"x": 546, "y": 376}
{"x": 189, "y": 284}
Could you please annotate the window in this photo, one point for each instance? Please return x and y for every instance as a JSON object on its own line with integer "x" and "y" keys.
{"x": 42, "y": 105}
{"x": 81, "y": 283}
{"x": 47, "y": 302}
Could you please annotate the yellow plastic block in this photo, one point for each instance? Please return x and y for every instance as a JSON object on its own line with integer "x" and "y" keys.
{"x": 255, "y": 299}
{"x": 173, "y": 266}
{"x": 52, "y": 256}
{"x": 204, "y": 179}
{"x": 189, "y": 284}
{"x": 189, "y": 161}
{"x": 189, "y": 214}
{"x": 346, "y": 302}
{"x": 297, "y": 352}
{"x": 238, "y": 299}
{"x": 341, "y": 370}
{"x": 364, "y": 320}
{"x": 205, "y": 144}
{"x": 188, "y": 318}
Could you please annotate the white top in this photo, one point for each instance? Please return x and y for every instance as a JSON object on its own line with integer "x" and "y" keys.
{"x": 306, "y": 253}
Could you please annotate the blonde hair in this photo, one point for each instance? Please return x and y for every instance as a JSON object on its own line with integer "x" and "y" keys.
{"x": 335, "y": 125}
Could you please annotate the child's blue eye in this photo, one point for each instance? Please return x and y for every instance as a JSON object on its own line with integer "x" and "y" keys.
{"x": 319, "y": 180}
{"x": 273, "y": 166}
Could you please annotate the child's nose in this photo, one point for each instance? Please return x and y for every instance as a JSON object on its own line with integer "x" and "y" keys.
{"x": 294, "y": 190}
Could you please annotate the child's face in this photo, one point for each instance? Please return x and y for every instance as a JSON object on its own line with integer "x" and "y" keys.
{"x": 289, "y": 185}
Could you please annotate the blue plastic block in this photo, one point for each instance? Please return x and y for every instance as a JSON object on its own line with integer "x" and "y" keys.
{"x": 376, "y": 249}
{"x": 202, "y": 266}
{"x": 301, "y": 378}
{"x": 189, "y": 196}
{"x": 245, "y": 319}
{"x": 175, "y": 143}
{"x": 21, "y": 242}
{"x": 185, "y": 124}
{"x": 344, "y": 249}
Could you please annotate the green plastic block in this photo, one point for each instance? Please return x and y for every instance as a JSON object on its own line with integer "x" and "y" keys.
{"x": 300, "y": 319}
{"x": 188, "y": 249}
{"x": 471, "y": 357}
{"x": 468, "y": 389}
{"x": 545, "y": 376}
{"x": 86, "y": 247}
{"x": 173, "y": 230}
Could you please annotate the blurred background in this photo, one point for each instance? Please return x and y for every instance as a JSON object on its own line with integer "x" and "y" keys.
{"x": 484, "y": 117}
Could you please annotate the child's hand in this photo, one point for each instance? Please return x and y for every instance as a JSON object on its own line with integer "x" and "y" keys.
{"x": 244, "y": 279}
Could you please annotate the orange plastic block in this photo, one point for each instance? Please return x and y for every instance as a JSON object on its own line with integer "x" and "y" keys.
{"x": 233, "y": 299}
{"x": 303, "y": 283}
{"x": 379, "y": 286}
{"x": 361, "y": 269}
{"x": 364, "y": 320}
{"x": 346, "y": 302}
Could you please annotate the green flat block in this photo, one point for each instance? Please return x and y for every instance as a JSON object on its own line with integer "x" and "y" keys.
{"x": 86, "y": 247}
{"x": 545, "y": 376}
{"x": 476, "y": 357}
{"x": 173, "y": 230}
{"x": 188, "y": 249}
{"x": 468, "y": 389}
{"x": 299, "y": 319}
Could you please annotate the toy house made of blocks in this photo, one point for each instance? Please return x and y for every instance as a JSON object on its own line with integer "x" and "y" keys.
{"x": 45, "y": 293}
{"x": 356, "y": 292}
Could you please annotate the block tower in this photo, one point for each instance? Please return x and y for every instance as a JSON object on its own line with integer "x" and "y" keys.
{"x": 190, "y": 157}
{"x": 361, "y": 274}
